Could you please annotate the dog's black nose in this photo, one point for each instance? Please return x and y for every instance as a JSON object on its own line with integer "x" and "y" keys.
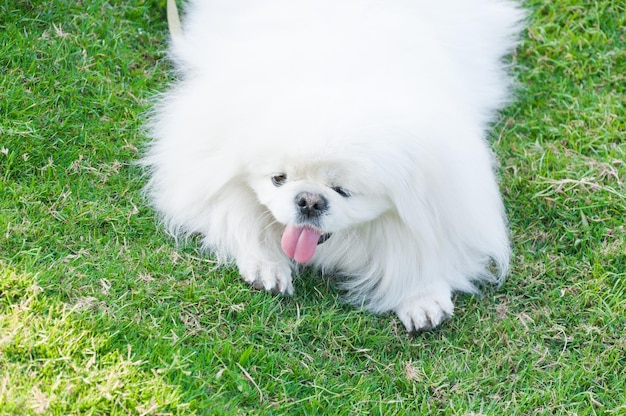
{"x": 311, "y": 205}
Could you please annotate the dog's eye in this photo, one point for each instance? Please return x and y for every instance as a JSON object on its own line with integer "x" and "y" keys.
{"x": 341, "y": 191}
{"x": 279, "y": 179}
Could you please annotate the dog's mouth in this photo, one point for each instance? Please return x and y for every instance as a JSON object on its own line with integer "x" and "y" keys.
{"x": 323, "y": 238}
{"x": 300, "y": 242}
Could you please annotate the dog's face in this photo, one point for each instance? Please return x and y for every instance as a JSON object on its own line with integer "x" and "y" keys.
{"x": 315, "y": 199}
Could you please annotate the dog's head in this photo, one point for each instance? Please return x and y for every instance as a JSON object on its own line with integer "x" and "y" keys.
{"x": 322, "y": 167}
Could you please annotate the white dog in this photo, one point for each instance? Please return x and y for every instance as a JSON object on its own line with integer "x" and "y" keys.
{"x": 348, "y": 135}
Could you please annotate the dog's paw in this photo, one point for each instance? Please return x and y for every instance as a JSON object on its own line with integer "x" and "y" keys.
{"x": 426, "y": 311}
{"x": 274, "y": 278}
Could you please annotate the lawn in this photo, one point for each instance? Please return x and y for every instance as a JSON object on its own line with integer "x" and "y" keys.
{"x": 102, "y": 313}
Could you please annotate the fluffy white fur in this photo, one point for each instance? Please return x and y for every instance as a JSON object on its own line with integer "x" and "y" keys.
{"x": 378, "y": 108}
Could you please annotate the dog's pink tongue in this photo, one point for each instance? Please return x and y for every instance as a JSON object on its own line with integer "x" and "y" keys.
{"x": 299, "y": 243}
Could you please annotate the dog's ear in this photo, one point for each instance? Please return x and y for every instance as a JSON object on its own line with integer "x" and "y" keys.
{"x": 180, "y": 186}
{"x": 447, "y": 212}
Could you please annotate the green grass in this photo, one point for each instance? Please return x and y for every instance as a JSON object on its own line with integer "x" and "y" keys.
{"x": 100, "y": 312}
